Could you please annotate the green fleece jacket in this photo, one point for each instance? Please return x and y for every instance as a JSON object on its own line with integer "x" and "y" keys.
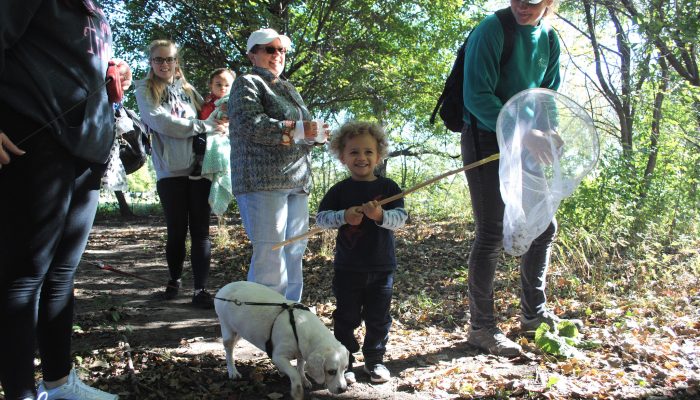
{"x": 486, "y": 87}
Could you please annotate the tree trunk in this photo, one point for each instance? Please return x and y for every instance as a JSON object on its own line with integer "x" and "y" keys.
{"x": 124, "y": 209}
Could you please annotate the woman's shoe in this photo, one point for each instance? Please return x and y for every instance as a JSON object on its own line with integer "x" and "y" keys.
{"x": 73, "y": 389}
{"x": 172, "y": 289}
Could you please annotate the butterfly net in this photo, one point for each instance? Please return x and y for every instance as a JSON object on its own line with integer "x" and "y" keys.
{"x": 547, "y": 143}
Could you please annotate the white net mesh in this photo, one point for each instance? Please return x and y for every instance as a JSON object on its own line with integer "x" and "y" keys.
{"x": 547, "y": 143}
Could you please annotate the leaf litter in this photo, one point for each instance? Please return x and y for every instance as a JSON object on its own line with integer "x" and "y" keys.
{"x": 645, "y": 341}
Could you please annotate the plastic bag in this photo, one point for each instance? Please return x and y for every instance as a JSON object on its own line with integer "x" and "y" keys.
{"x": 547, "y": 143}
{"x": 114, "y": 178}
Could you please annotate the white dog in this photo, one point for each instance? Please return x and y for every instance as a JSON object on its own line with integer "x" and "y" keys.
{"x": 312, "y": 343}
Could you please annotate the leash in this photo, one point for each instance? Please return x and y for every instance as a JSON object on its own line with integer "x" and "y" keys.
{"x": 69, "y": 109}
{"x": 105, "y": 267}
{"x": 290, "y": 307}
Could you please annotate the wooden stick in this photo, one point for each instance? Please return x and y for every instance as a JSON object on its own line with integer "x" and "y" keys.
{"x": 406, "y": 192}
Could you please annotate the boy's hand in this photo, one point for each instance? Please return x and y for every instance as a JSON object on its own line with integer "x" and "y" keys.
{"x": 373, "y": 210}
{"x": 353, "y": 215}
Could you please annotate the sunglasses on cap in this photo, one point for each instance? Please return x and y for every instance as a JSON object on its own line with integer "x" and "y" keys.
{"x": 272, "y": 49}
{"x": 161, "y": 60}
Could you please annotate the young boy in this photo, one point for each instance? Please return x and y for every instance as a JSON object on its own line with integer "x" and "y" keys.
{"x": 364, "y": 256}
{"x": 220, "y": 81}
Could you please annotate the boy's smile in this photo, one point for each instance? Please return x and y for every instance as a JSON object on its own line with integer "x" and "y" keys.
{"x": 360, "y": 155}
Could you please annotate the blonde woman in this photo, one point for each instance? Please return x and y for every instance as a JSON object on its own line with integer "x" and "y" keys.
{"x": 169, "y": 106}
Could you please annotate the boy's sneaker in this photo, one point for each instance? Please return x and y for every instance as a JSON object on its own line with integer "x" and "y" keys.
{"x": 377, "y": 372}
{"x": 172, "y": 289}
{"x": 493, "y": 341}
{"x": 350, "y": 378}
{"x": 74, "y": 389}
{"x": 202, "y": 299}
{"x": 548, "y": 317}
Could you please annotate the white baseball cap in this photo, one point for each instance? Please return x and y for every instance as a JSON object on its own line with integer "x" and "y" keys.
{"x": 265, "y": 36}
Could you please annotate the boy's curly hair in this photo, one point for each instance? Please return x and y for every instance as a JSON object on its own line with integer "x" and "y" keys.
{"x": 351, "y": 129}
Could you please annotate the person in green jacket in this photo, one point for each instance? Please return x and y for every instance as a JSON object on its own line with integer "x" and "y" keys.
{"x": 533, "y": 63}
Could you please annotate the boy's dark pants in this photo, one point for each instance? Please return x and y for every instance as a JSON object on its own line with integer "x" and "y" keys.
{"x": 363, "y": 296}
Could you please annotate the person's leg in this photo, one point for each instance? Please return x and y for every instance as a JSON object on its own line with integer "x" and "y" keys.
{"x": 264, "y": 216}
{"x": 36, "y": 195}
{"x": 173, "y": 198}
{"x": 376, "y": 307}
{"x": 56, "y": 302}
{"x": 348, "y": 289}
{"x": 488, "y": 209}
{"x": 533, "y": 273}
{"x": 297, "y": 224}
{"x": 199, "y": 213}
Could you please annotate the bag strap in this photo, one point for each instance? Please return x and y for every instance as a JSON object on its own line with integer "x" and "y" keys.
{"x": 505, "y": 16}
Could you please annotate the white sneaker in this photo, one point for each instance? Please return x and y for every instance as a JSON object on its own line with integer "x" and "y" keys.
{"x": 74, "y": 389}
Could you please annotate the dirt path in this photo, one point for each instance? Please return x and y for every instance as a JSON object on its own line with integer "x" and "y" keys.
{"x": 131, "y": 342}
{"x": 114, "y": 309}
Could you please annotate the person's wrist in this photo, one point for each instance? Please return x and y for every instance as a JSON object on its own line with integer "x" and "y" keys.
{"x": 287, "y": 128}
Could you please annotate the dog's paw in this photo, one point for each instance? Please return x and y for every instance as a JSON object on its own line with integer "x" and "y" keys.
{"x": 297, "y": 392}
{"x": 234, "y": 374}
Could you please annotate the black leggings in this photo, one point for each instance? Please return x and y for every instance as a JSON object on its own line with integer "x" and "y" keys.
{"x": 186, "y": 204}
{"x": 48, "y": 200}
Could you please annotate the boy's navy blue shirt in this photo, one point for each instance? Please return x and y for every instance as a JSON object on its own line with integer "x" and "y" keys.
{"x": 367, "y": 247}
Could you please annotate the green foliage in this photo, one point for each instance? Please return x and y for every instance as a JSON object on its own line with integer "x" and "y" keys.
{"x": 561, "y": 341}
{"x": 143, "y": 180}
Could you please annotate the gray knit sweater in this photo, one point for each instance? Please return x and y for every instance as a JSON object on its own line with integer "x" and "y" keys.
{"x": 258, "y": 104}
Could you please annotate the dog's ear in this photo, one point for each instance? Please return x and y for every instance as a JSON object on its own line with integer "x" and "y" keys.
{"x": 315, "y": 367}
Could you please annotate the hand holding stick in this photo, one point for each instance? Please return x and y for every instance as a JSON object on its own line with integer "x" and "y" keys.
{"x": 406, "y": 192}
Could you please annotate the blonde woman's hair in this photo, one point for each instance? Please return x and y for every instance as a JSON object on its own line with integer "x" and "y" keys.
{"x": 156, "y": 86}
{"x": 352, "y": 129}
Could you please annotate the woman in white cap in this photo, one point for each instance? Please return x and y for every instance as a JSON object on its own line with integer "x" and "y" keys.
{"x": 270, "y": 172}
{"x": 491, "y": 76}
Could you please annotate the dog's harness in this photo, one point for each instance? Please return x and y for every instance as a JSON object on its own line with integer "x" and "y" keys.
{"x": 285, "y": 306}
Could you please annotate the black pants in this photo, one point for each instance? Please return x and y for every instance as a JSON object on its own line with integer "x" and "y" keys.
{"x": 363, "y": 296}
{"x": 186, "y": 205}
{"x": 488, "y": 208}
{"x": 48, "y": 200}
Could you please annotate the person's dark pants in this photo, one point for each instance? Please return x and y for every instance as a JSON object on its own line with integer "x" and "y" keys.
{"x": 363, "y": 296}
{"x": 48, "y": 200}
{"x": 186, "y": 205}
{"x": 488, "y": 209}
